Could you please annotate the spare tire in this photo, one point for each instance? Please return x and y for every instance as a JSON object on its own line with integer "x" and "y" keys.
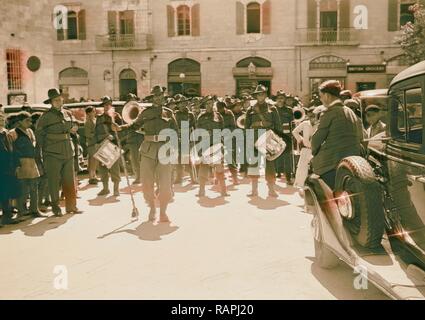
{"x": 360, "y": 201}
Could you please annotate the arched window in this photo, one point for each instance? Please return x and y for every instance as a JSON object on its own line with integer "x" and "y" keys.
{"x": 184, "y": 76}
{"x": 74, "y": 84}
{"x": 128, "y": 83}
{"x": 253, "y": 15}
{"x": 73, "y": 73}
{"x": 183, "y": 20}
{"x": 328, "y": 62}
{"x": 258, "y": 62}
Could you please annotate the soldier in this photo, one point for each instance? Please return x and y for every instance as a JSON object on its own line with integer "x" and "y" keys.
{"x": 284, "y": 105}
{"x": 263, "y": 116}
{"x": 210, "y": 120}
{"x": 104, "y": 131}
{"x": 90, "y": 131}
{"x": 155, "y": 119}
{"x": 134, "y": 141}
{"x": 183, "y": 114}
{"x": 229, "y": 123}
{"x": 53, "y": 134}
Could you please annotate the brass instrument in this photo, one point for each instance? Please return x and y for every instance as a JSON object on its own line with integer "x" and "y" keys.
{"x": 240, "y": 122}
{"x": 131, "y": 112}
{"x": 299, "y": 114}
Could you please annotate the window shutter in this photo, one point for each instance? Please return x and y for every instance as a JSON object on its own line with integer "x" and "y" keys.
{"x": 82, "y": 25}
{"x": 312, "y": 14}
{"x": 60, "y": 34}
{"x": 393, "y": 15}
{"x": 240, "y": 18}
{"x": 345, "y": 14}
{"x": 170, "y": 19}
{"x": 112, "y": 22}
{"x": 267, "y": 17}
{"x": 196, "y": 20}
{"x": 130, "y": 26}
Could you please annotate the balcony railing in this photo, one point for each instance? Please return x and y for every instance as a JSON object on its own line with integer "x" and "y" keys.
{"x": 326, "y": 36}
{"x": 124, "y": 41}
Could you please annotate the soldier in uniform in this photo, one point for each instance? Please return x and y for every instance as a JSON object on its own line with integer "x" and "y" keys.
{"x": 263, "y": 116}
{"x": 284, "y": 105}
{"x": 183, "y": 114}
{"x": 53, "y": 136}
{"x": 134, "y": 141}
{"x": 104, "y": 131}
{"x": 154, "y": 119}
{"x": 229, "y": 123}
{"x": 210, "y": 120}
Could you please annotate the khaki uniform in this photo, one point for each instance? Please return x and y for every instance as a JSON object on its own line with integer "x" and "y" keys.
{"x": 103, "y": 130}
{"x": 265, "y": 117}
{"x": 154, "y": 119}
{"x": 210, "y": 122}
{"x": 183, "y": 116}
{"x": 284, "y": 164}
{"x": 230, "y": 123}
{"x": 53, "y": 136}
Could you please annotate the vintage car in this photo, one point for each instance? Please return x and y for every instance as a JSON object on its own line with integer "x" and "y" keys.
{"x": 377, "y": 97}
{"x": 374, "y": 220}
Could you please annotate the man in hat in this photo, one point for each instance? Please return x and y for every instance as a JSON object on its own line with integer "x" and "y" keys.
{"x": 183, "y": 114}
{"x": 154, "y": 119}
{"x": 338, "y": 136}
{"x": 53, "y": 135}
{"x": 373, "y": 119}
{"x": 90, "y": 132}
{"x": 284, "y": 105}
{"x": 229, "y": 123}
{"x": 345, "y": 95}
{"x": 263, "y": 116}
{"x": 211, "y": 120}
{"x": 134, "y": 141}
{"x": 104, "y": 130}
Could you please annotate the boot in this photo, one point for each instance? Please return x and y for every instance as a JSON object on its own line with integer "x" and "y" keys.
{"x": 201, "y": 192}
{"x": 163, "y": 217}
{"x": 272, "y": 191}
{"x": 105, "y": 191}
{"x": 254, "y": 192}
{"x": 116, "y": 189}
{"x": 222, "y": 185}
{"x": 235, "y": 178}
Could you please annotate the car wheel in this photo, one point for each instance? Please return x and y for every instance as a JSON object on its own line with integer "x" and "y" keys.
{"x": 359, "y": 199}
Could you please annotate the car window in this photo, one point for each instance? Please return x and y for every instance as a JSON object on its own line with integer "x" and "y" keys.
{"x": 401, "y": 118}
{"x": 414, "y": 111}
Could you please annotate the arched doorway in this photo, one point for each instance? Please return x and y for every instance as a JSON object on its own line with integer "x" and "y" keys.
{"x": 74, "y": 84}
{"x": 251, "y": 72}
{"x": 184, "y": 76}
{"x": 128, "y": 83}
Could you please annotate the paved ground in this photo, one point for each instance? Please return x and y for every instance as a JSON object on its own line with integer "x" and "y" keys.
{"x": 215, "y": 249}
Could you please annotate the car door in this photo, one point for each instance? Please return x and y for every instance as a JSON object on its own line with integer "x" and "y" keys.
{"x": 406, "y": 158}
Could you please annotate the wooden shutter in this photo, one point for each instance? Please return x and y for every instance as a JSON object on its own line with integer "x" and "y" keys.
{"x": 345, "y": 14}
{"x": 393, "y": 15}
{"x": 266, "y": 17}
{"x": 240, "y": 18}
{"x": 312, "y": 14}
{"x": 82, "y": 25}
{"x": 196, "y": 20}
{"x": 170, "y": 19}
{"x": 112, "y": 22}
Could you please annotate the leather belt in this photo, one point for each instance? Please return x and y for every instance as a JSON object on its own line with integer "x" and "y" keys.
{"x": 58, "y": 136}
{"x": 157, "y": 138}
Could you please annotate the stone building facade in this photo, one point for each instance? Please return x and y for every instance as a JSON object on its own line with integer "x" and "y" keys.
{"x": 26, "y": 52}
{"x": 225, "y": 46}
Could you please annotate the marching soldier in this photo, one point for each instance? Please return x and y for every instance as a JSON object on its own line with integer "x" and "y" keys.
{"x": 210, "y": 120}
{"x": 284, "y": 105}
{"x": 103, "y": 130}
{"x": 263, "y": 116}
{"x": 229, "y": 123}
{"x": 155, "y": 119}
{"x": 53, "y": 135}
{"x": 183, "y": 114}
{"x": 134, "y": 141}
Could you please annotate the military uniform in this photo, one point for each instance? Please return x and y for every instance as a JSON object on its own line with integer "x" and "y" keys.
{"x": 263, "y": 116}
{"x": 134, "y": 141}
{"x": 230, "y": 123}
{"x": 184, "y": 116}
{"x": 53, "y": 135}
{"x": 211, "y": 121}
{"x": 284, "y": 164}
{"x": 103, "y": 130}
{"x": 155, "y": 119}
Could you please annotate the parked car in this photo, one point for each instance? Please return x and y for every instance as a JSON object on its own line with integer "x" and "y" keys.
{"x": 374, "y": 220}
